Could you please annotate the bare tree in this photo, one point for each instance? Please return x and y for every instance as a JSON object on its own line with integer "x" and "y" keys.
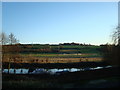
{"x": 12, "y": 39}
{"x": 116, "y": 36}
{"x": 3, "y": 39}
{"x": 111, "y": 53}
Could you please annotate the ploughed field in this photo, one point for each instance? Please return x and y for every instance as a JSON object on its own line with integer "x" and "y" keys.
{"x": 37, "y": 53}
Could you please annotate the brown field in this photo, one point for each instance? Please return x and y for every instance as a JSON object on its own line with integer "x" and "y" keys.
{"x": 30, "y": 59}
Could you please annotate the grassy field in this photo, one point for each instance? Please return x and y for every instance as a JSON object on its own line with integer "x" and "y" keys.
{"x": 64, "y": 55}
{"x": 64, "y": 48}
{"x": 53, "y": 54}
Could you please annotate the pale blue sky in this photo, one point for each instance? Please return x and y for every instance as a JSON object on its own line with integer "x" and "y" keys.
{"x": 50, "y": 22}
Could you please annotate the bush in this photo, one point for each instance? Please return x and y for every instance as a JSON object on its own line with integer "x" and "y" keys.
{"x": 111, "y": 54}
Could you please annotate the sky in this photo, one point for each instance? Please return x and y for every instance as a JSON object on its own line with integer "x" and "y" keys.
{"x": 60, "y": 22}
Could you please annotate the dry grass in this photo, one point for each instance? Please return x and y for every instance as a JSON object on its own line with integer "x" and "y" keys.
{"x": 31, "y": 59}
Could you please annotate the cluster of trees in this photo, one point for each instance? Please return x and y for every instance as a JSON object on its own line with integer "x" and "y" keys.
{"x": 76, "y": 44}
{"x": 8, "y": 39}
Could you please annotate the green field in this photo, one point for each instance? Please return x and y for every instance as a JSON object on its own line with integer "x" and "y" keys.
{"x": 61, "y": 51}
{"x": 64, "y": 55}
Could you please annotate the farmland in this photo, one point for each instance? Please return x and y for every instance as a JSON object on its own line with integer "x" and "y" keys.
{"x": 38, "y": 53}
{"x": 39, "y": 56}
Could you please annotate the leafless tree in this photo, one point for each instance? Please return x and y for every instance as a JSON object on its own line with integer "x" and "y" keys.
{"x": 12, "y": 39}
{"x": 116, "y": 36}
{"x": 112, "y": 52}
{"x": 3, "y": 39}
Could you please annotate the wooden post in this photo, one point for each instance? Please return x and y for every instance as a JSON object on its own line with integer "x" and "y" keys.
{"x": 80, "y": 59}
{"x": 14, "y": 70}
{"x": 9, "y": 66}
{"x": 21, "y": 71}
